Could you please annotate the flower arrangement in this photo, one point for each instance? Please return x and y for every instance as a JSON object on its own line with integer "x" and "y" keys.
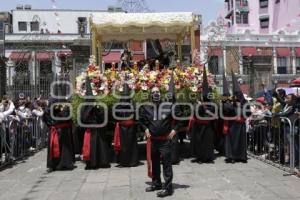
{"x": 188, "y": 80}
{"x": 188, "y": 83}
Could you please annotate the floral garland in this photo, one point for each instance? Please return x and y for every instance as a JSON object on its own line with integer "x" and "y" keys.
{"x": 188, "y": 84}
{"x": 112, "y": 80}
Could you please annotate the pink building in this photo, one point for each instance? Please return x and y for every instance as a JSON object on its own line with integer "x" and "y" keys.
{"x": 262, "y": 16}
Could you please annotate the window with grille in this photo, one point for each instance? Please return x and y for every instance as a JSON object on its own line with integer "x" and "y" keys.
{"x": 241, "y": 3}
{"x": 22, "y": 26}
{"x": 1, "y": 31}
{"x": 2, "y": 50}
{"x": 264, "y": 3}
{"x": 244, "y": 3}
{"x": 34, "y": 26}
{"x": 238, "y": 3}
{"x": 282, "y": 65}
{"x": 242, "y": 18}
{"x": 213, "y": 65}
{"x": 246, "y": 65}
{"x": 264, "y": 23}
{"x": 298, "y": 65}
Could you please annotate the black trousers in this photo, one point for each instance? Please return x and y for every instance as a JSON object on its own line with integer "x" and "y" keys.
{"x": 161, "y": 150}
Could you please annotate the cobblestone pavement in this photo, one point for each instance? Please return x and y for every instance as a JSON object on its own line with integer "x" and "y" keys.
{"x": 29, "y": 180}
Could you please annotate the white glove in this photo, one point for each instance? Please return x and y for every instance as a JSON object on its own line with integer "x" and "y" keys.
{"x": 1, "y": 117}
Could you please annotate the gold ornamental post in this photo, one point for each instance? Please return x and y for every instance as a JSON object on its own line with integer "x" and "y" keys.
{"x": 192, "y": 30}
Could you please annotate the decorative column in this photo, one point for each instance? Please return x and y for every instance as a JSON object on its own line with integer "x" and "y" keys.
{"x": 99, "y": 54}
{"x": 294, "y": 70}
{"x": 179, "y": 49}
{"x": 10, "y": 72}
{"x": 74, "y": 72}
{"x": 225, "y": 60}
{"x": 241, "y": 71}
{"x": 33, "y": 67}
{"x": 275, "y": 60}
{"x": 192, "y": 30}
{"x": 94, "y": 43}
{"x": 56, "y": 66}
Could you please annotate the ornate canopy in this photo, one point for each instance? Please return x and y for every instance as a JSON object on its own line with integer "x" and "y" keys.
{"x": 142, "y": 26}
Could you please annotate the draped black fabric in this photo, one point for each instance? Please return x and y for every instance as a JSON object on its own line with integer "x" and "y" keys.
{"x": 128, "y": 156}
{"x": 202, "y": 138}
{"x": 99, "y": 149}
{"x": 235, "y": 141}
{"x": 67, "y": 156}
{"x": 174, "y": 150}
{"x": 219, "y": 136}
{"x": 78, "y": 134}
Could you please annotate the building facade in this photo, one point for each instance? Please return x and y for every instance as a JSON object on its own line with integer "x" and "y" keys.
{"x": 262, "y": 16}
{"x": 258, "y": 58}
{"x": 5, "y": 28}
{"x": 257, "y": 39}
{"x": 47, "y": 42}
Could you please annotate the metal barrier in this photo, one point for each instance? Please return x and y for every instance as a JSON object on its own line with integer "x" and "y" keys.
{"x": 4, "y": 146}
{"x": 272, "y": 140}
{"x": 21, "y": 138}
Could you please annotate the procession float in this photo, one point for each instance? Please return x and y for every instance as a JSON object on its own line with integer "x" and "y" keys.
{"x": 108, "y": 83}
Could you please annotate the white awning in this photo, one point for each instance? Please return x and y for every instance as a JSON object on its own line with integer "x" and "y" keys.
{"x": 141, "y": 26}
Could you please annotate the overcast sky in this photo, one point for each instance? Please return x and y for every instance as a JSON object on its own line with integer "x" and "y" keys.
{"x": 209, "y": 9}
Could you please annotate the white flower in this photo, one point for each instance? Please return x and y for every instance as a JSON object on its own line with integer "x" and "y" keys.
{"x": 144, "y": 87}
{"x": 194, "y": 89}
{"x": 94, "y": 92}
{"x": 102, "y": 87}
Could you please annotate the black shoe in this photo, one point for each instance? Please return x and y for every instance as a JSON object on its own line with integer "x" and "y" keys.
{"x": 164, "y": 193}
{"x": 49, "y": 170}
{"x": 153, "y": 188}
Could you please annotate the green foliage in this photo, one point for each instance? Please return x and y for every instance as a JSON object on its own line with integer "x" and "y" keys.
{"x": 182, "y": 95}
{"x": 109, "y": 100}
{"x": 141, "y": 96}
{"x": 76, "y": 101}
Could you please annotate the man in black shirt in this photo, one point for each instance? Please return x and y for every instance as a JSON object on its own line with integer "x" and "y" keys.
{"x": 156, "y": 121}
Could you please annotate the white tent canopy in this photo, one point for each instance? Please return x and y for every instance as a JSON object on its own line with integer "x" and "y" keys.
{"x": 141, "y": 26}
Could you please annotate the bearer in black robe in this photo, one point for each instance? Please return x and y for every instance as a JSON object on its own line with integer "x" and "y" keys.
{"x": 60, "y": 140}
{"x": 95, "y": 149}
{"x": 157, "y": 125}
{"x": 171, "y": 97}
{"x": 223, "y": 124}
{"x": 125, "y": 137}
{"x": 236, "y": 139}
{"x": 202, "y": 127}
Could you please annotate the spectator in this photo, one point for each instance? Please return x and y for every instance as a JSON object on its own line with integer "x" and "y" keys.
{"x": 7, "y": 107}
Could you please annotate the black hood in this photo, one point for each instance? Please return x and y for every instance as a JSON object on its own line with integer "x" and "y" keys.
{"x": 236, "y": 89}
{"x": 171, "y": 96}
{"x": 226, "y": 92}
{"x": 89, "y": 90}
{"x": 205, "y": 86}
